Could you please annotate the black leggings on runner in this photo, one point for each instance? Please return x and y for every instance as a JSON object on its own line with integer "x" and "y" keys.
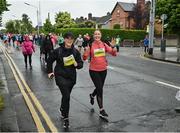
{"x": 145, "y": 49}
{"x": 25, "y": 59}
{"x": 47, "y": 54}
{"x": 65, "y": 101}
{"x": 98, "y": 78}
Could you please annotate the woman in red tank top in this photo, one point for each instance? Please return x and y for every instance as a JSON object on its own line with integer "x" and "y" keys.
{"x": 98, "y": 67}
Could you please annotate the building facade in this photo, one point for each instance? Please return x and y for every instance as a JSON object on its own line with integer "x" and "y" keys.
{"x": 121, "y": 14}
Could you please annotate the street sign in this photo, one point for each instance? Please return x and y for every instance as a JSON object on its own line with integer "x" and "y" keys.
{"x": 164, "y": 16}
{"x": 147, "y": 29}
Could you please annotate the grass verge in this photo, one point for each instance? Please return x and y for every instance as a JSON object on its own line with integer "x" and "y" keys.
{"x": 1, "y": 97}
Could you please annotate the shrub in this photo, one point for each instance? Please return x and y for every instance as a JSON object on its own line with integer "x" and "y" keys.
{"x": 1, "y": 103}
{"x": 117, "y": 26}
{"x": 135, "y": 35}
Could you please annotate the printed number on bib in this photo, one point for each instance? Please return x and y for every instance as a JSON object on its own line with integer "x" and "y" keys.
{"x": 99, "y": 52}
{"x": 68, "y": 61}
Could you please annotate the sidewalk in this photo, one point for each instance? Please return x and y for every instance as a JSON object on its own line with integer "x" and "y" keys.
{"x": 8, "y": 120}
{"x": 171, "y": 55}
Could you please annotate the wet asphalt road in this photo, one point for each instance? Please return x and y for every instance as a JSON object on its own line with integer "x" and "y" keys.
{"x": 132, "y": 97}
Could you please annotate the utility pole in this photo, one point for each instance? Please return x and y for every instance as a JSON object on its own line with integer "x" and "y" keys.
{"x": 163, "y": 41}
{"x": 48, "y": 16}
{"x": 37, "y": 14}
{"x": 40, "y": 21}
{"x": 0, "y": 20}
{"x": 151, "y": 25}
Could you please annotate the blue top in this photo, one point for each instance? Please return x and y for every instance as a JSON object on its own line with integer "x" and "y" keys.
{"x": 146, "y": 42}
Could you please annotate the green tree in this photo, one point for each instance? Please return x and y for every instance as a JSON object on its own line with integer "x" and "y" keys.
{"x": 14, "y": 26}
{"x": 3, "y": 7}
{"x": 26, "y": 24}
{"x": 20, "y": 26}
{"x": 10, "y": 26}
{"x": 89, "y": 24}
{"x": 63, "y": 20}
{"x": 172, "y": 9}
{"x": 48, "y": 27}
{"x": 17, "y": 26}
{"x": 141, "y": 18}
{"x": 81, "y": 25}
{"x": 86, "y": 24}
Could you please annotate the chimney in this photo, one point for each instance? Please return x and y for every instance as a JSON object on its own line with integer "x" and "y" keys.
{"x": 108, "y": 13}
{"x": 90, "y": 16}
{"x": 49, "y": 16}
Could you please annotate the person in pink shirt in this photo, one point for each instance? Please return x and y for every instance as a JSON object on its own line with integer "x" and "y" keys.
{"x": 98, "y": 67}
{"x": 27, "y": 50}
{"x": 53, "y": 39}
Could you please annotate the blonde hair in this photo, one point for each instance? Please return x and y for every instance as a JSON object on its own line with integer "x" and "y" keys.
{"x": 98, "y": 30}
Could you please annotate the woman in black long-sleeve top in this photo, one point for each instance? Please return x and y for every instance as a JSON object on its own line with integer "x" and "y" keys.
{"x": 68, "y": 59}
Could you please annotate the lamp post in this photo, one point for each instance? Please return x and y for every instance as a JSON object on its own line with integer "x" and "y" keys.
{"x": 37, "y": 14}
{"x": 151, "y": 26}
{"x": 14, "y": 16}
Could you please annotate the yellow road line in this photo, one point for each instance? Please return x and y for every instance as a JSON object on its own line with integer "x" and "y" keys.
{"x": 35, "y": 100}
{"x": 141, "y": 56}
{"x": 27, "y": 100}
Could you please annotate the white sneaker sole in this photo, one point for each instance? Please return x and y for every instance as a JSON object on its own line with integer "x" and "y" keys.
{"x": 66, "y": 127}
{"x": 62, "y": 117}
{"x": 103, "y": 116}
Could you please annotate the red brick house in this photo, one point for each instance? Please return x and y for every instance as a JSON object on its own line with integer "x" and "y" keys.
{"x": 121, "y": 14}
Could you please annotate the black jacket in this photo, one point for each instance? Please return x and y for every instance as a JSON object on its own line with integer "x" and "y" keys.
{"x": 64, "y": 75}
{"x": 47, "y": 46}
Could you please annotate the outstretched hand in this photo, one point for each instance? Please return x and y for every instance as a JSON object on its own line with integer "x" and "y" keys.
{"x": 113, "y": 42}
{"x": 87, "y": 47}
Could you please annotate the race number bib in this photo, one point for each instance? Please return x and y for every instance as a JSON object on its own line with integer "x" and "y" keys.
{"x": 68, "y": 61}
{"x": 99, "y": 52}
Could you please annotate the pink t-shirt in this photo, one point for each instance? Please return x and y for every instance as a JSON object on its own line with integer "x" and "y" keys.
{"x": 98, "y": 55}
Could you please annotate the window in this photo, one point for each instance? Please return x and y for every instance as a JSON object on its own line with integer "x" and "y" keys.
{"x": 118, "y": 13}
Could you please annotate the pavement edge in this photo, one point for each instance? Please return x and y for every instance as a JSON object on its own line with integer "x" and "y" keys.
{"x": 8, "y": 121}
{"x": 153, "y": 58}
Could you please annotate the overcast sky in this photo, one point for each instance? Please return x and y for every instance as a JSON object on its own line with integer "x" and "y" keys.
{"x": 77, "y": 8}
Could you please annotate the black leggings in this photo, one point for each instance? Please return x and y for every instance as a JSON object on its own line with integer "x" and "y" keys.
{"x": 117, "y": 47}
{"x": 30, "y": 59}
{"x": 145, "y": 49}
{"x": 47, "y": 54}
{"x": 98, "y": 79}
{"x": 65, "y": 101}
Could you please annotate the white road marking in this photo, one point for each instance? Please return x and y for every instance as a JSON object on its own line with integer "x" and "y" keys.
{"x": 170, "y": 85}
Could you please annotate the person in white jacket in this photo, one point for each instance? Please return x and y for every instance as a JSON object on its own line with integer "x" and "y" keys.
{"x": 79, "y": 42}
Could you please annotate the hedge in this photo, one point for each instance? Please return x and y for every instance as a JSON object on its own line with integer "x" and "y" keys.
{"x": 136, "y": 35}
